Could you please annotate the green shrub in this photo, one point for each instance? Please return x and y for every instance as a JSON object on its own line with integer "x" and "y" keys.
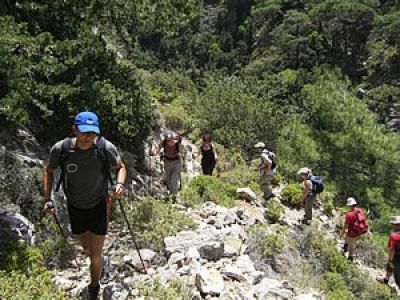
{"x": 16, "y": 285}
{"x": 372, "y": 252}
{"x": 271, "y": 244}
{"x": 274, "y": 210}
{"x": 328, "y": 259}
{"x": 327, "y": 198}
{"x": 152, "y": 220}
{"x": 175, "y": 289}
{"x": 291, "y": 194}
{"x": 22, "y": 275}
{"x": 335, "y": 286}
{"x": 208, "y": 188}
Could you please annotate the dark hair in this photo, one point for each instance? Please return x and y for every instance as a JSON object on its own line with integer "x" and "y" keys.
{"x": 209, "y": 139}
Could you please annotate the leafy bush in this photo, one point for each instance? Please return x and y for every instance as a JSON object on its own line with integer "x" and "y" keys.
{"x": 291, "y": 194}
{"x": 297, "y": 148}
{"x": 336, "y": 287}
{"x": 22, "y": 276}
{"x": 271, "y": 244}
{"x": 274, "y": 210}
{"x": 174, "y": 289}
{"x": 16, "y": 285}
{"x": 326, "y": 258}
{"x": 208, "y": 188}
{"x": 328, "y": 198}
{"x": 239, "y": 117}
{"x": 371, "y": 252}
{"x": 153, "y": 220}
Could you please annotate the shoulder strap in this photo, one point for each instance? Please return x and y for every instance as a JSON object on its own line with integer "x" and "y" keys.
{"x": 102, "y": 155}
{"x": 66, "y": 147}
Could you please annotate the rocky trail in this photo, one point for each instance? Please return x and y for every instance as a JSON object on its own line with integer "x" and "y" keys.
{"x": 212, "y": 261}
{"x": 218, "y": 260}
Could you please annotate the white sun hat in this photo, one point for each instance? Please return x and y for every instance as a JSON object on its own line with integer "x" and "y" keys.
{"x": 351, "y": 201}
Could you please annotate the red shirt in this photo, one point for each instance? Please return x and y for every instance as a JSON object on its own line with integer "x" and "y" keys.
{"x": 349, "y": 220}
{"x": 394, "y": 241}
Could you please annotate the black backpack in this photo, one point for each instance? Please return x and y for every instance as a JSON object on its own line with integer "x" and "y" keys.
{"x": 317, "y": 184}
{"x": 67, "y": 147}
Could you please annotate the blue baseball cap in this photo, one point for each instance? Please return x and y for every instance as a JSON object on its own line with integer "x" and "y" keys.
{"x": 87, "y": 122}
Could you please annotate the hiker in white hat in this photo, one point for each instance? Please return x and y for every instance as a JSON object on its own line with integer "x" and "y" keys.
{"x": 393, "y": 264}
{"x": 355, "y": 224}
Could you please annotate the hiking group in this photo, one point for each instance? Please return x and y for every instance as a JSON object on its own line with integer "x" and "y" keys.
{"x": 87, "y": 161}
{"x": 172, "y": 153}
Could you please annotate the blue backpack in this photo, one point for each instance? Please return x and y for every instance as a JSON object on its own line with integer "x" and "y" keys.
{"x": 317, "y": 184}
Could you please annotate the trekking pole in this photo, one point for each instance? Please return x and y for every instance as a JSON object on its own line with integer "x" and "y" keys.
{"x": 50, "y": 205}
{"x": 132, "y": 234}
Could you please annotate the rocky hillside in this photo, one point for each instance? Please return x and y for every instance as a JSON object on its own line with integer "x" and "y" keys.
{"x": 236, "y": 252}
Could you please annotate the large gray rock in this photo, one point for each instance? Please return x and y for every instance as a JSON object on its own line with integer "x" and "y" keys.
{"x": 212, "y": 251}
{"x": 210, "y": 282}
{"x": 273, "y": 288}
{"x": 133, "y": 258}
{"x": 185, "y": 240}
{"x": 14, "y": 227}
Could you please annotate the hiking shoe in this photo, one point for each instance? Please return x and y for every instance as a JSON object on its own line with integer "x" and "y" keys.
{"x": 351, "y": 258}
{"x": 105, "y": 272}
{"x": 93, "y": 291}
{"x": 306, "y": 222}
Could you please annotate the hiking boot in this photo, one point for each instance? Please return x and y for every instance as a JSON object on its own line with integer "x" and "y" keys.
{"x": 105, "y": 272}
{"x": 93, "y": 291}
{"x": 306, "y": 222}
{"x": 351, "y": 258}
{"x": 382, "y": 280}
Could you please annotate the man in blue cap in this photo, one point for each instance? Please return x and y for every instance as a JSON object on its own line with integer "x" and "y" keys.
{"x": 86, "y": 161}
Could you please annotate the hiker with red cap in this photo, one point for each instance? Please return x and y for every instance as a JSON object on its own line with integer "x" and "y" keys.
{"x": 393, "y": 264}
{"x": 86, "y": 161}
{"x": 355, "y": 225}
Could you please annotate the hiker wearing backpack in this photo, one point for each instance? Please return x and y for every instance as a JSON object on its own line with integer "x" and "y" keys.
{"x": 266, "y": 169}
{"x": 208, "y": 154}
{"x": 86, "y": 161}
{"x": 312, "y": 185}
{"x": 355, "y": 224}
{"x": 393, "y": 264}
{"x": 172, "y": 152}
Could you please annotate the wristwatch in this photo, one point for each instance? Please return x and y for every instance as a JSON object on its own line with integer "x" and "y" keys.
{"x": 120, "y": 184}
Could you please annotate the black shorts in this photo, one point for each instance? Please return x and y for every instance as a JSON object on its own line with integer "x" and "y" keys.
{"x": 92, "y": 219}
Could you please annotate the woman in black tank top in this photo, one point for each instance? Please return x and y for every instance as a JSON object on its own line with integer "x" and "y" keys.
{"x": 208, "y": 155}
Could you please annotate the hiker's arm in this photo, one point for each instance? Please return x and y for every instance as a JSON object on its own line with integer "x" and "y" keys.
{"x": 345, "y": 228}
{"x": 159, "y": 148}
{"x": 47, "y": 187}
{"x": 47, "y": 182}
{"x": 121, "y": 178}
{"x": 305, "y": 192}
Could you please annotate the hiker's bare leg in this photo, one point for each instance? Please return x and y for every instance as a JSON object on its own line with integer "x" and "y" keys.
{"x": 84, "y": 240}
{"x": 96, "y": 256}
{"x": 93, "y": 246}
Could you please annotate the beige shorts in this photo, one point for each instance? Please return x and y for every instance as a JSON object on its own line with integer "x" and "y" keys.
{"x": 351, "y": 241}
